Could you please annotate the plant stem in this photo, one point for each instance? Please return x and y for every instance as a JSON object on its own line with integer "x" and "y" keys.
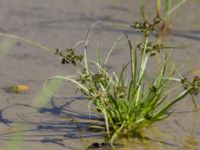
{"x": 142, "y": 68}
{"x": 143, "y": 10}
{"x": 158, "y": 8}
{"x": 194, "y": 102}
{"x": 117, "y": 132}
{"x": 167, "y": 9}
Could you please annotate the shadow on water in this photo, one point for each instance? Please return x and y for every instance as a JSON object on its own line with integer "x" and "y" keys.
{"x": 116, "y": 8}
{"x": 82, "y": 19}
{"x": 60, "y": 121}
{"x": 2, "y": 119}
{"x": 193, "y": 35}
{"x": 55, "y": 123}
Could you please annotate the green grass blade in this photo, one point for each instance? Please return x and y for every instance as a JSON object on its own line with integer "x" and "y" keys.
{"x": 194, "y": 102}
{"x": 37, "y": 44}
{"x": 176, "y": 7}
{"x": 112, "y": 48}
{"x": 178, "y": 98}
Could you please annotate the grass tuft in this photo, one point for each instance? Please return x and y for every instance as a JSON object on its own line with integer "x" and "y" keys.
{"x": 127, "y": 103}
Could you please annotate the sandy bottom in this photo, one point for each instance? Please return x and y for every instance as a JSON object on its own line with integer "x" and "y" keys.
{"x": 62, "y": 123}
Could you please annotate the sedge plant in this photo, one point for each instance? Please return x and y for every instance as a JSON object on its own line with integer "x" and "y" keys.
{"x": 126, "y": 101}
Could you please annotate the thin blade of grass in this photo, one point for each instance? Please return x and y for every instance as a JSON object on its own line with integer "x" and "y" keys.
{"x": 37, "y": 44}
{"x": 178, "y": 98}
{"x": 112, "y": 48}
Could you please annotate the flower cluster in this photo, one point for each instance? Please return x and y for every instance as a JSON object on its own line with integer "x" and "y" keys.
{"x": 150, "y": 48}
{"x": 194, "y": 85}
{"x": 69, "y": 56}
{"x": 145, "y": 26}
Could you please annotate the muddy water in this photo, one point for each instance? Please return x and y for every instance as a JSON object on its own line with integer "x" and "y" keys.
{"x": 63, "y": 123}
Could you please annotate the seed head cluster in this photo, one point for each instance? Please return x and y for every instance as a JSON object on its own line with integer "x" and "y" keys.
{"x": 194, "y": 85}
{"x": 146, "y": 27}
{"x": 69, "y": 56}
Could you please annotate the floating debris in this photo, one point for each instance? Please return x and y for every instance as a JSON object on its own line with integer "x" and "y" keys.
{"x": 17, "y": 89}
{"x": 103, "y": 146}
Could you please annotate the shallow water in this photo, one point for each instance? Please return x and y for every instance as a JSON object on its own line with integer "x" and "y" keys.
{"x": 63, "y": 123}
